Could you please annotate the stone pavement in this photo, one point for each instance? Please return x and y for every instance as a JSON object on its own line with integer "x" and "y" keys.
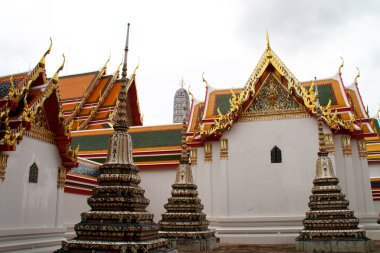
{"x": 266, "y": 248}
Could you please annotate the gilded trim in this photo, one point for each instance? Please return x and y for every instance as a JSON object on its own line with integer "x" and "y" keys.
{"x": 3, "y": 165}
{"x": 208, "y": 152}
{"x": 362, "y": 148}
{"x": 250, "y": 118}
{"x": 346, "y": 146}
{"x": 61, "y": 177}
{"x": 224, "y": 149}
{"x": 194, "y": 156}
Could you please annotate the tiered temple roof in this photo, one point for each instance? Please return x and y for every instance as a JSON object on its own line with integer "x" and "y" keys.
{"x": 27, "y": 101}
{"x": 88, "y": 99}
{"x": 222, "y": 108}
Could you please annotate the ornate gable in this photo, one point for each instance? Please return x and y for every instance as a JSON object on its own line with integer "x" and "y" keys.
{"x": 273, "y": 98}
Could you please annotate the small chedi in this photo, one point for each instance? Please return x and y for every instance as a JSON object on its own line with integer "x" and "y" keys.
{"x": 118, "y": 221}
{"x": 329, "y": 225}
{"x": 184, "y": 224}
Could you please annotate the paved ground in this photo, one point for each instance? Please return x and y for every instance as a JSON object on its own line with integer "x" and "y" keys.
{"x": 263, "y": 248}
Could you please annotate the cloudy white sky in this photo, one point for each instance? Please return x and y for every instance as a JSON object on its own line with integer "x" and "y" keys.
{"x": 175, "y": 39}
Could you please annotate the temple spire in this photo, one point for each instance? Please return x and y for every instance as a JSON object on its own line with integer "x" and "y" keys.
{"x": 321, "y": 135}
{"x": 124, "y": 72}
{"x": 267, "y": 37}
{"x": 184, "y": 153}
{"x": 119, "y": 119}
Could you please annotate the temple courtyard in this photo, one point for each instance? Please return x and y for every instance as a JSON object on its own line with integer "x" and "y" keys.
{"x": 267, "y": 248}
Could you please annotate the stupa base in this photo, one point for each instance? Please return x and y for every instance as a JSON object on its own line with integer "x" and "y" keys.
{"x": 194, "y": 245}
{"x": 332, "y": 246}
{"x": 86, "y": 246}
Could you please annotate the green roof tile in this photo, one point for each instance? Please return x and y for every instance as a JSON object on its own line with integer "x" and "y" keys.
{"x": 222, "y": 101}
{"x": 140, "y": 140}
{"x": 377, "y": 125}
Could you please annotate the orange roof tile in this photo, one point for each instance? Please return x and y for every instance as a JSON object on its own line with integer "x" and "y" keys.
{"x": 99, "y": 89}
{"x": 74, "y": 86}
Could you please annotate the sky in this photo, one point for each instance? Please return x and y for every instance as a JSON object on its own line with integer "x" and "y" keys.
{"x": 179, "y": 39}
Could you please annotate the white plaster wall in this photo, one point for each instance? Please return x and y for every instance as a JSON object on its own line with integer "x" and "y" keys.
{"x": 374, "y": 169}
{"x": 74, "y": 205}
{"x": 157, "y": 183}
{"x": 258, "y": 188}
{"x": 30, "y": 205}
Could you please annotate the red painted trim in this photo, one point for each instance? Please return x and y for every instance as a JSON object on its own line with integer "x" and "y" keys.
{"x": 81, "y": 179}
{"x": 68, "y": 189}
{"x": 158, "y": 166}
{"x": 147, "y": 153}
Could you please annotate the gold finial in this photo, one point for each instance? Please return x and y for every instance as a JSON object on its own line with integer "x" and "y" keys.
{"x": 357, "y": 76}
{"x": 268, "y": 50}
{"x": 204, "y": 80}
{"x": 191, "y": 94}
{"x": 105, "y": 65}
{"x": 42, "y": 61}
{"x": 55, "y": 77}
{"x": 341, "y": 66}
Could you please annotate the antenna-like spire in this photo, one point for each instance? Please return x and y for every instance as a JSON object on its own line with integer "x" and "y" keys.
{"x": 267, "y": 37}
{"x": 124, "y": 73}
{"x": 321, "y": 135}
{"x": 184, "y": 153}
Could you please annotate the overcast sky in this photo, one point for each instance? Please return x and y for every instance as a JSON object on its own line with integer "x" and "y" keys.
{"x": 175, "y": 39}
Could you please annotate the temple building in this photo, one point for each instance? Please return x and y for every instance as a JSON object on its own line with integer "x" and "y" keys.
{"x": 257, "y": 142}
{"x": 35, "y": 153}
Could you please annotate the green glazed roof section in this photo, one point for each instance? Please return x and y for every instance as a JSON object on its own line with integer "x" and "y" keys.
{"x": 147, "y": 139}
{"x": 222, "y": 102}
{"x": 326, "y": 93}
{"x": 377, "y": 125}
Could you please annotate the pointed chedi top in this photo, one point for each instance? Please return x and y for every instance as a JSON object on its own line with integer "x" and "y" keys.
{"x": 119, "y": 120}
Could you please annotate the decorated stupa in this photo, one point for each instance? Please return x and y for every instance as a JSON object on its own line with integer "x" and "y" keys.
{"x": 184, "y": 224}
{"x": 118, "y": 221}
{"x": 330, "y": 226}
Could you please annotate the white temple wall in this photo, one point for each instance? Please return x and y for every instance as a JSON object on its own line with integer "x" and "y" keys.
{"x": 28, "y": 209}
{"x": 74, "y": 205}
{"x": 339, "y": 163}
{"x": 158, "y": 185}
{"x": 259, "y": 188}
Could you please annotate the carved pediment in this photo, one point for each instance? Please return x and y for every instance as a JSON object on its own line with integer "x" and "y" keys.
{"x": 273, "y": 98}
